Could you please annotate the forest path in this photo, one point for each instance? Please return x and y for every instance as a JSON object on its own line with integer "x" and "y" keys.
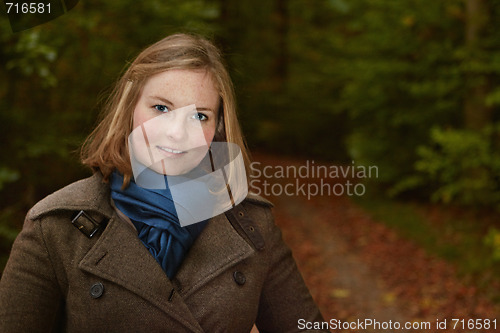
{"x": 345, "y": 287}
{"x": 357, "y": 268}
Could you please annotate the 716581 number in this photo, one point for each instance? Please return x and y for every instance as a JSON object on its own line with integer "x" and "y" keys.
{"x": 25, "y": 8}
{"x": 477, "y": 324}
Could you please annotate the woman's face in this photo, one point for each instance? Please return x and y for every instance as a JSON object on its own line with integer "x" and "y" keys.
{"x": 174, "y": 121}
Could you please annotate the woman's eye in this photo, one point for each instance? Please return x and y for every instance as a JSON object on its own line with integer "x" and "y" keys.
{"x": 161, "y": 108}
{"x": 200, "y": 116}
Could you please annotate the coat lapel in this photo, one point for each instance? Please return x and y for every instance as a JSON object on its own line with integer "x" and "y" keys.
{"x": 217, "y": 248}
{"x": 120, "y": 257}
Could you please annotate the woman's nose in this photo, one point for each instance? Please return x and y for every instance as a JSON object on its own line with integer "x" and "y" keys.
{"x": 175, "y": 126}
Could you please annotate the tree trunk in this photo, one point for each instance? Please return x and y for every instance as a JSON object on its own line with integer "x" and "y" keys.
{"x": 280, "y": 66}
{"x": 476, "y": 113}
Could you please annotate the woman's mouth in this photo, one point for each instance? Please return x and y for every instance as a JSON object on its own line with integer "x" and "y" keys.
{"x": 171, "y": 151}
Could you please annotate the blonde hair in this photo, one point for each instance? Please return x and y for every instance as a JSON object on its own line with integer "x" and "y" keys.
{"x": 106, "y": 148}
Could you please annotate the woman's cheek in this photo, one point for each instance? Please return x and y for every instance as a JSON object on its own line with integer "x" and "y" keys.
{"x": 209, "y": 133}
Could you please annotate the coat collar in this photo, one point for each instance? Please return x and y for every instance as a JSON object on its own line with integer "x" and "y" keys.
{"x": 90, "y": 195}
{"x": 217, "y": 248}
{"x": 75, "y": 197}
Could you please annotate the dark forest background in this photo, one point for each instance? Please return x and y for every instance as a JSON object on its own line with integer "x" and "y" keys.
{"x": 410, "y": 86}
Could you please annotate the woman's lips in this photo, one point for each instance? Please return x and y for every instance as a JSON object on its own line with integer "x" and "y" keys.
{"x": 170, "y": 152}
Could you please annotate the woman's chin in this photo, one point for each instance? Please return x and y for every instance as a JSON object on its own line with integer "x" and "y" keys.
{"x": 173, "y": 167}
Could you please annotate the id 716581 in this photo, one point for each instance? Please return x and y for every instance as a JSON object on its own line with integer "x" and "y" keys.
{"x": 473, "y": 324}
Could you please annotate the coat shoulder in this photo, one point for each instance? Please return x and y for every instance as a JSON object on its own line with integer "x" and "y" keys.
{"x": 258, "y": 200}
{"x": 89, "y": 194}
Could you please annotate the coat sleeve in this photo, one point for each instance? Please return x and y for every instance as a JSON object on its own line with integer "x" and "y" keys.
{"x": 285, "y": 298}
{"x": 29, "y": 293}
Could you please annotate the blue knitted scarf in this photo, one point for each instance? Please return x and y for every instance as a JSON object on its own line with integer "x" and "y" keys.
{"x": 153, "y": 214}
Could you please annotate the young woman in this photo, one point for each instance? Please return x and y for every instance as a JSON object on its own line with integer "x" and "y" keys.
{"x": 110, "y": 254}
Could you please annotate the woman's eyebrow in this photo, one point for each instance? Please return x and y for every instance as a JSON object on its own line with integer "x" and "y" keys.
{"x": 164, "y": 100}
{"x": 204, "y": 109}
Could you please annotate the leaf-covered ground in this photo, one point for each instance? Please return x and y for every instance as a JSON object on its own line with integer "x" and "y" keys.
{"x": 357, "y": 268}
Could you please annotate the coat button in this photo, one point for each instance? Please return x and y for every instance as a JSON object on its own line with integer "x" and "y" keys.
{"x": 239, "y": 278}
{"x": 96, "y": 290}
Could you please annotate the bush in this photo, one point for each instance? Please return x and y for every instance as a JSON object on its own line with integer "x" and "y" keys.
{"x": 492, "y": 240}
{"x": 460, "y": 167}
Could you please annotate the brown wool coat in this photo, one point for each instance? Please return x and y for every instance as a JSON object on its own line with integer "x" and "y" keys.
{"x": 58, "y": 279}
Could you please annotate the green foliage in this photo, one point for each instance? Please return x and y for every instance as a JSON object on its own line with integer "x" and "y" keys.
{"x": 461, "y": 166}
{"x": 7, "y": 175}
{"x": 9, "y": 234}
{"x": 492, "y": 240}
{"x": 53, "y": 75}
{"x": 31, "y": 56}
{"x": 402, "y": 76}
{"x": 404, "y": 68}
